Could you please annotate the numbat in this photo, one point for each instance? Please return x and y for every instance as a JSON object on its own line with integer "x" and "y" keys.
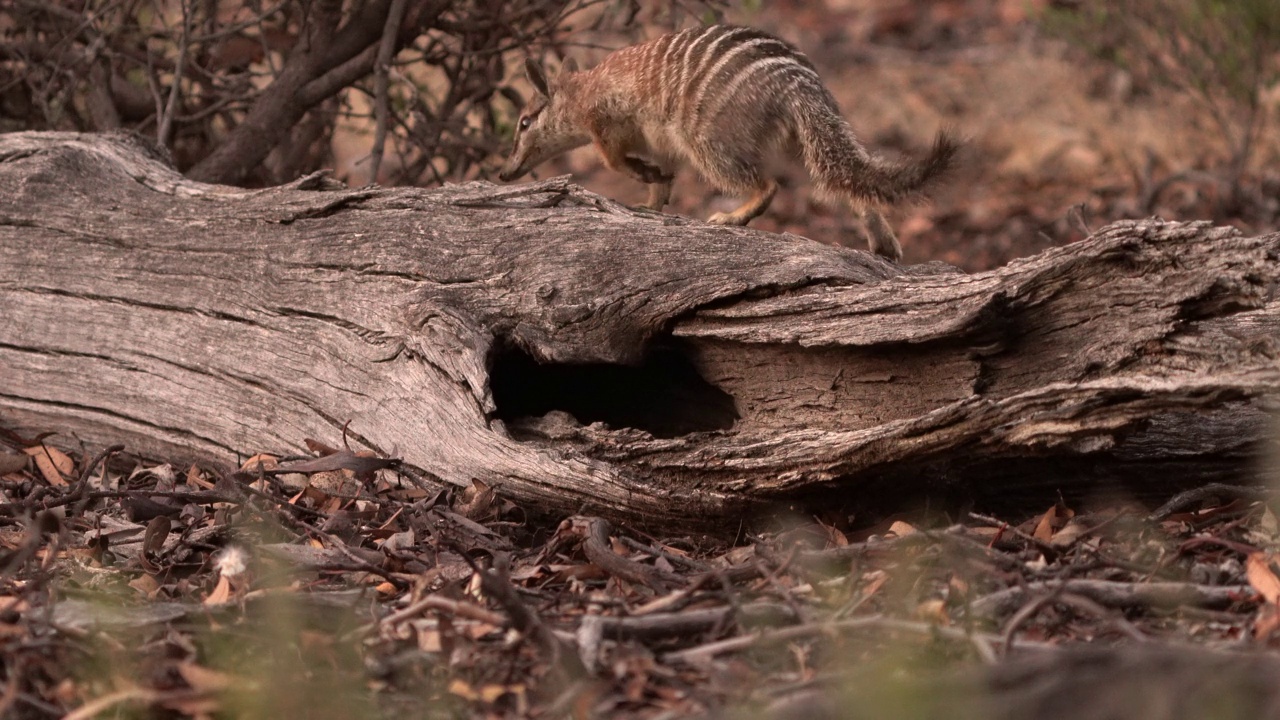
{"x": 722, "y": 99}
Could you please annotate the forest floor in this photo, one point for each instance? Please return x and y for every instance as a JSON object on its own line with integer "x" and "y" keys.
{"x": 285, "y": 589}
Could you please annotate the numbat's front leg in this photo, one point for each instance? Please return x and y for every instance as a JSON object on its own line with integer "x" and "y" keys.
{"x": 659, "y": 196}
{"x": 646, "y": 172}
{"x": 658, "y": 180}
{"x": 750, "y": 209}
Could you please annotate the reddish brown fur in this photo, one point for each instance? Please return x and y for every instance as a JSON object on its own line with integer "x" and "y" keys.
{"x": 722, "y": 99}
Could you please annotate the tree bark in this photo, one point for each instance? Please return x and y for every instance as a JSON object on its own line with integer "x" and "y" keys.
{"x": 582, "y": 356}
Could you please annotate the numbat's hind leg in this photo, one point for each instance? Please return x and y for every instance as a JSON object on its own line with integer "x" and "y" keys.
{"x": 750, "y": 209}
{"x": 880, "y": 236}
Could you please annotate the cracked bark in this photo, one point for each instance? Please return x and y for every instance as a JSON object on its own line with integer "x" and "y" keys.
{"x": 478, "y": 331}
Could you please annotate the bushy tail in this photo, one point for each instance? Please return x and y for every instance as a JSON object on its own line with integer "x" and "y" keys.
{"x": 842, "y": 167}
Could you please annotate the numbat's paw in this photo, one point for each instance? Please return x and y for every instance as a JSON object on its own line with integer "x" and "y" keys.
{"x": 722, "y": 218}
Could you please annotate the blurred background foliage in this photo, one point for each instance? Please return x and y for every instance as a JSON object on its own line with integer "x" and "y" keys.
{"x": 1225, "y": 54}
{"x": 429, "y": 76}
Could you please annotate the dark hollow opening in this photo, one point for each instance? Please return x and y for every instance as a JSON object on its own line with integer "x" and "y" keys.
{"x": 663, "y": 395}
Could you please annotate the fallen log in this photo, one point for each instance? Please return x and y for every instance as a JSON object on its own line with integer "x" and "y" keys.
{"x": 582, "y": 356}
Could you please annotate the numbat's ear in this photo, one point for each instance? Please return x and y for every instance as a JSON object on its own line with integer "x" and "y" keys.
{"x": 569, "y": 66}
{"x": 537, "y": 76}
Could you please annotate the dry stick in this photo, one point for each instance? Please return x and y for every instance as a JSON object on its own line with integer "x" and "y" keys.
{"x": 97, "y": 459}
{"x": 1040, "y": 545}
{"x": 954, "y": 535}
{"x": 381, "y": 69}
{"x": 420, "y": 482}
{"x": 165, "y": 126}
{"x": 41, "y": 490}
{"x": 677, "y": 598}
{"x": 874, "y": 622}
{"x": 595, "y": 544}
{"x": 30, "y": 543}
{"x": 689, "y": 622}
{"x": 999, "y": 558}
{"x": 671, "y": 557}
{"x": 1116, "y": 619}
{"x": 360, "y": 563}
{"x": 442, "y": 604}
{"x": 983, "y": 648}
{"x": 772, "y": 578}
{"x": 1184, "y": 500}
{"x": 1117, "y": 594}
{"x": 133, "y": 695}
{"x": 497, "y": 584}
{"x": 1076, "y": 602}
{"x": 230, "y": 30}
{"x": 82, "y": 483}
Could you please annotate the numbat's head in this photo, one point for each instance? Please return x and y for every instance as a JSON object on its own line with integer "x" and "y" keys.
{"x": 545, "y": 128}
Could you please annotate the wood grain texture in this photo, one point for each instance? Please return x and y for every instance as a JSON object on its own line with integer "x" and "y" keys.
{"x": 198, "y": 321}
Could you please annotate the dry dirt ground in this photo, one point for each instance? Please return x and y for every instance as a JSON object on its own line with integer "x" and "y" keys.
{"x": 329, "y": 592}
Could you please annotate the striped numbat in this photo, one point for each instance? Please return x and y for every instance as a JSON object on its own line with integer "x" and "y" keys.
{"x": 723, "y": 99}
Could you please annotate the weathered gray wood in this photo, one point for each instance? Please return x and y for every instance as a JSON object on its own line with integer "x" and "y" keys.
{"x": 190, "y": 320}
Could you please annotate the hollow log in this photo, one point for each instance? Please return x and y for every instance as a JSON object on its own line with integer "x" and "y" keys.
{"x": 584, "y": 357}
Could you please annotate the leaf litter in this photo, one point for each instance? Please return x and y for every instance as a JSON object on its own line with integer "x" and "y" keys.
{"x": 336, "y": 584}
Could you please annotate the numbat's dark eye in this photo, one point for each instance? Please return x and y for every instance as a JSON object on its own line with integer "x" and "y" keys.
{"x": 525, "y": 122}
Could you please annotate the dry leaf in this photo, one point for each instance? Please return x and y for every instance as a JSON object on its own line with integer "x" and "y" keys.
{"x": 429, "y": 639}
{"x": 1044, "y": 528}
{"x": 267, "y": 462}
{"x": 319, "y": 647}
{"x": 1267, "y": 523}
{"x": 478, "y": 630}
{"x": 202, "y": 679}
{"x": 463, "y": 689}
{"x": 1069, "y": 534}
{"x": 582, "y": 571}
{"x": 877, "y": 580}
{"x": 934, "y": 611}
{"x": 488, "y": 693}
{"x": 221, "y": 594}
{"x": 835, "y": 538}
{"x": 196, "y": 479}
{"x": 132, "y": 694}
{"x": 357, "y": 464}
{"x": 146, "y": 585}
{"x": 902, "y": 529}
{"x": 53, "y": 464}
{"x": 200, "y": 707}
{"x": 1054, "y": 518}
{"x": 1268, "y": 620}
{"x": 1262, "y": 578}
{"x": 156, "y": 533}
{"x": 737, "y": 556}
